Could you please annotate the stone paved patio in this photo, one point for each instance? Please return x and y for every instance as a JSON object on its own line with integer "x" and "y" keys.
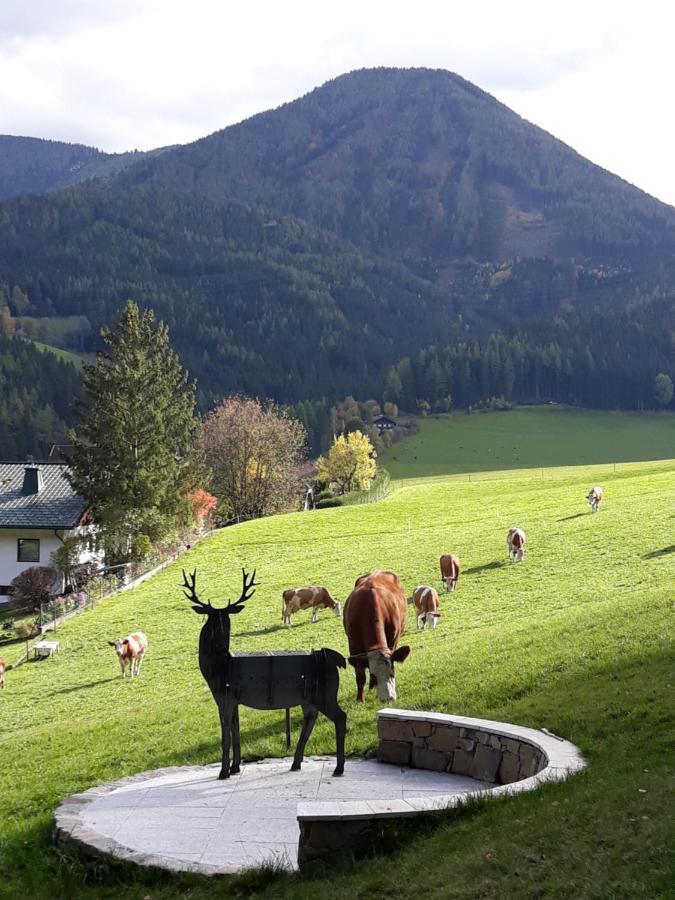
{"x": 185, "y": 819}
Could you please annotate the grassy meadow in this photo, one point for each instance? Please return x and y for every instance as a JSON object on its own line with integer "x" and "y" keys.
{"x": 77, "y": 359}
{"x": 575, "y": 639}
{"x": 530, "y": 437}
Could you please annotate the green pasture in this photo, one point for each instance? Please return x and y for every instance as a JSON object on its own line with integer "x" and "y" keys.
{"x": 77, "y": 359}
{"x": 529, "y": 437}
{"x": 575, "y": 639}
{"x": 59, "y": 331}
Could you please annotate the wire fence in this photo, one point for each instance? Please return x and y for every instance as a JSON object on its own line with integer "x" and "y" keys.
{"x": 115, "y": 579}
{"x": 586, "y": 470}
{"x": 377, "y": 491}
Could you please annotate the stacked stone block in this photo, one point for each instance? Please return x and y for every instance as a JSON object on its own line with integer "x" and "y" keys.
{"x": 446, "y": 747}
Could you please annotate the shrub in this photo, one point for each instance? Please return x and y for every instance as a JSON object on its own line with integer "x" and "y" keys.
{"x": 32, "y": 587}
{"x": 101, "y": 585}
{"x": 329, "y": 502}
{"x": 323, "y": 495}
{"x": 26, "y": 630}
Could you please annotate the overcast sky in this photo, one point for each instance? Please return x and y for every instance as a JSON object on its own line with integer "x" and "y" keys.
{"x": 124, "y": 74}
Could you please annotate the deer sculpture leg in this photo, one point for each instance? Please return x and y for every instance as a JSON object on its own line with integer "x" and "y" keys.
{"x": 225, "y": 720}
{"x": 236, "y": 745}
{"x": 339, "y": 718}
{"x": 309, "y": 714}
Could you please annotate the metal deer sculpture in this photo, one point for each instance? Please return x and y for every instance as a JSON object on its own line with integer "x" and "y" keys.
{"x": 269, "y": 680}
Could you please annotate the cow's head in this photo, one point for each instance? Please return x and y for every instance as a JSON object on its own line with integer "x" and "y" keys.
{"x": 381, "y": 666}
{"x": 450, "y": 583}
{"x": 337, "y": 608}
{"x": 432, "y": 619}
{"x": 118, "y": 644}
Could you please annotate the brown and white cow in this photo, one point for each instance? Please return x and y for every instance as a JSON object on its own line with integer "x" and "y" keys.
{"x": 375, "y": 616}
{"x": 449, "y": 571}
{"x": 516, "y": 544}
{"x": 594, "y": 498}
{"x": 314, "y": 598}
{"x": 2, "y": 672}
{"x": 131, "y": 650}
{"x": 426, "y": 603}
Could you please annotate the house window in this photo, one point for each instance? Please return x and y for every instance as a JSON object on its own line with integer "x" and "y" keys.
{"x": 28, "y": 550}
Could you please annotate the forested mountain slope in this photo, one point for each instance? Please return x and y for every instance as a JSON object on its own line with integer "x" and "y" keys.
{"x": 421, "y": 163}
{"x": 34, "y": 166}
{"x": 390, "y": 218}
{"x": 271, "y": 306}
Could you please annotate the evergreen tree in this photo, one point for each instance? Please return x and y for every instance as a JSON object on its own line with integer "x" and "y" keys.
{"x": 663, "y": 389}
{"x": 134, "y": 458}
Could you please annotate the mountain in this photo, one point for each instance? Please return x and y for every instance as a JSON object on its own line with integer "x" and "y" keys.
{"x": 267, "y": 305}
{"x": 33, "y": 166}
{"x": 425, "y": 166}
{"x": 304, "y": 252}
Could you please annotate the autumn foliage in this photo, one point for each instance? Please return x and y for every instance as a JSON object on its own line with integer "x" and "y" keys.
{"x": 350, "y": 463}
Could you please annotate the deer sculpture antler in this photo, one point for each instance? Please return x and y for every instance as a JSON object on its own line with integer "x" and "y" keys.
{"x": 248, "y": 590}
{"x": 249, "y": 584}
{"x": 189, "y": 584}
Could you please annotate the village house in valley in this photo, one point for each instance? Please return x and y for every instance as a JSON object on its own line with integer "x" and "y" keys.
{"x": 38, "y": 510}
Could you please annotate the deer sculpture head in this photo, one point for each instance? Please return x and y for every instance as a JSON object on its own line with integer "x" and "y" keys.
{"x": 214, "y": 639}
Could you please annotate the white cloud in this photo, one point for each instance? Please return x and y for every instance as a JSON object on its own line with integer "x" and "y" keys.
{"x": 119, "y": 75}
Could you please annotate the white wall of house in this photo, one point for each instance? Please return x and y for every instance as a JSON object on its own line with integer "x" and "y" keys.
{"x": 49, "y": 542}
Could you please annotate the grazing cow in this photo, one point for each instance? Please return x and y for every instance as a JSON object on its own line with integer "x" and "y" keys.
{"x": 314, "y": 598}
{"x": 426, "y": 603}
{"x": 375, "y": 616}
{"x": 2, "y": 672}
{"x": 516, "y": 544}
{"x": 449, "y": 571}
{"x": 131, "y": 649}
{"x": 594, "y": 498}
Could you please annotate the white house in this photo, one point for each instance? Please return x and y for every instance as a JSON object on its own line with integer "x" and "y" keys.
{"x": 38, "y": 510}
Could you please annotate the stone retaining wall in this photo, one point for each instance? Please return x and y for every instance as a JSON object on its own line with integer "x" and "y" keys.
{"x": 507, "y": 758}
{"x": 443, "y": 746}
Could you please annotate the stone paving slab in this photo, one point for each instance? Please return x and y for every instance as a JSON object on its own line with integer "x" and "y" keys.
{"x": 184, "y": 819}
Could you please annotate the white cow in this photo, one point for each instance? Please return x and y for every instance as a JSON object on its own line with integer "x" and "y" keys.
{"x": 426, "y": 603}
{"x": 594, "y": 498}
{"x": 131, "y": 649}
{"x": 516, "y": 543}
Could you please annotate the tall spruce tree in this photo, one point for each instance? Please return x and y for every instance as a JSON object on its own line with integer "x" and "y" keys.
{"x": 134, "y": 456}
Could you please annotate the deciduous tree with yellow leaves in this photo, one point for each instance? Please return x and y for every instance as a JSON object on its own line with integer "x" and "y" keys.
{"x": 350, "y": 463}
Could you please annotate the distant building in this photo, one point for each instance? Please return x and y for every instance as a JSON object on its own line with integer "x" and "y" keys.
{"x": 383, "y": 423}
{"x": 38, "y": 510}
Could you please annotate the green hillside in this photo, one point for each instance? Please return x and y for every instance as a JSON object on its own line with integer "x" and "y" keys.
{"x": 421, "y": 164}
{"x": 77, "y": 359}
{"x": 391, "y": 217}
{"x": 34, "y": 166}
{"x": 529, "y": 437}
{"x": 575, "y": 639}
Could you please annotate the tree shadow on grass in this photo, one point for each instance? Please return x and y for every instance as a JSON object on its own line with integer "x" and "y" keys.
{"x": 83, "y": 687}
{"x": 271, "y": 629}
{"x": 495, "y": 564}
{"x": 254, "y": 632}
{"x": 664, "y": 551}
{"x": 575, "y": 516}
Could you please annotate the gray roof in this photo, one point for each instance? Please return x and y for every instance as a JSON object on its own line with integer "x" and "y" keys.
{"x": 55, "y": 506}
